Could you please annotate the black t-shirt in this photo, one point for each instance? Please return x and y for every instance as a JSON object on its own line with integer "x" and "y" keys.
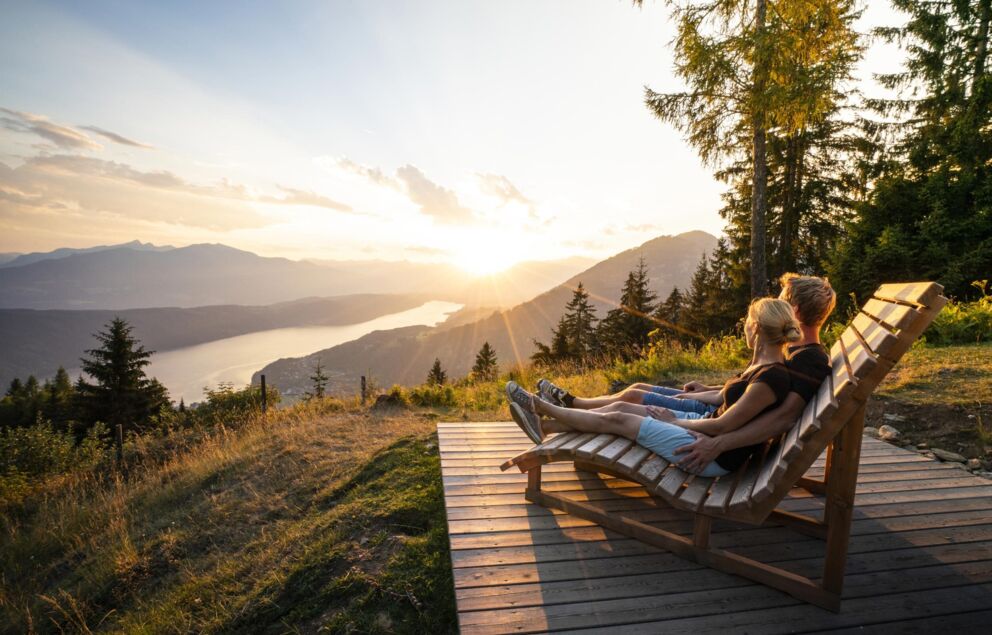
{"x": 777, "y": 377}
{"x": 809, "y": 365}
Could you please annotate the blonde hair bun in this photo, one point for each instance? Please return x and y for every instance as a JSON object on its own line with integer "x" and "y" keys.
{"x": 776, "y": 321}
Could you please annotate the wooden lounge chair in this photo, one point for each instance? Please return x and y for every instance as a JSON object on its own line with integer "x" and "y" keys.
{"x": 834, "y": 420}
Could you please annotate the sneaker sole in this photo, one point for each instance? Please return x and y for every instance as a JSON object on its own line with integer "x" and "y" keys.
{"x": 521, "y": 419}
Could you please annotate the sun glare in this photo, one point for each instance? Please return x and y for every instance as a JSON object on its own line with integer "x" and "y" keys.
{"x": 486, "y": 259}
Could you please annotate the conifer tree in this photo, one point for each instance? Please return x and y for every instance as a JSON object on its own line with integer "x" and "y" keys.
{"x": 436, "y": 376}
{"x": 558, "y": 351}
{"x": 580, "y": 323}
{"x": 794, "y": 55}
{"x": 318, "y": 380}
{"x": 624, "y": 331}
{"x": 929, "y": 215}
{"x": 486, "y": 367}
{"x": 121, "y": 393}
{"x": 59, "y": 398}
{"x": 670, "y": 316}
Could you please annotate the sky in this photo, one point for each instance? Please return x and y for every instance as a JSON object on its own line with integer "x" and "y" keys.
{"x": 478, "y": 133}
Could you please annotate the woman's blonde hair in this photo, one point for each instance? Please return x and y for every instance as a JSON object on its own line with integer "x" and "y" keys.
{"x": 776, "y": 321}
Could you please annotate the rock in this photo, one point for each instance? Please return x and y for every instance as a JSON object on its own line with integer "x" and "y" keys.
{"x": 974, "y": 464}
{"x": 893, "y": 417}
{"x": 922, "y": 446}
{"x": 949, "y": 457}
{"x": 871, "y": 432}
{"x": 888, "y": 433}
{"x": 987, "y": 475}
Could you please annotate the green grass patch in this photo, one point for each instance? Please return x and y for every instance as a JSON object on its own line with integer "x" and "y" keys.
{"x": 949, "y": 375}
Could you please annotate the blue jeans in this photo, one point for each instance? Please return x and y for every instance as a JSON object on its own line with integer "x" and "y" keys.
{"x": 663, "y": 438}
{"x": 663, "y": 396}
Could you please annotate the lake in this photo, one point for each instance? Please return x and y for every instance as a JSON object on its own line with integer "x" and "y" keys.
{"x": 186, "y": 371}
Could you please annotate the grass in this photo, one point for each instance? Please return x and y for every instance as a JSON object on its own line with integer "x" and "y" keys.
{"x": 329, "y": 516}
{"x": 331, "y": 521}
{"x": 952, "y": 375}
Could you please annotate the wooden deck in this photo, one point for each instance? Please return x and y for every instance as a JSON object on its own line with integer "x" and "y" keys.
{"x": 920, "y": 554}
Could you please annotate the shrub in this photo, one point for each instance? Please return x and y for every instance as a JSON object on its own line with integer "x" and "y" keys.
{"x": 673, "y": 359}
{"x": 29, "y": 455}
{"x": 428, "y": 395}
{"x": 963, "y": 322}
{"x": 228, "y": 406}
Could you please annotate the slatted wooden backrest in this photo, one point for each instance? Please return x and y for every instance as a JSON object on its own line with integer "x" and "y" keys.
{"x": 878, "y": 336}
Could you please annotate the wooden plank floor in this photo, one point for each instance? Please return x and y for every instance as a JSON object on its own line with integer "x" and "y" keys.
{"x": 920, "y": 555}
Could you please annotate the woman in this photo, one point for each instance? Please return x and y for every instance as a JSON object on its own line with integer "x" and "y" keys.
{"x": 762, "y": 386}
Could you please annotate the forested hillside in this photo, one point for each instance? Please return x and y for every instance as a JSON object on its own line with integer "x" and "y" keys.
{"x": 404, "y": 355}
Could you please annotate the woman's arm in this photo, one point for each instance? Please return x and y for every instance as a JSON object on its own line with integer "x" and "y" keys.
{"x": 756, "y": 398}
{"x": 712, "y": 397}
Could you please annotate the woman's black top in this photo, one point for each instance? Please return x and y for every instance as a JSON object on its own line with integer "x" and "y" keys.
{"x": 775, "y": 376}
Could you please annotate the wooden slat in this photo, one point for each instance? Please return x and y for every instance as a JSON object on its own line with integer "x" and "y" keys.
{"x": 695, "y": 493}
{"x": 826, "y": 402}
{"x": 576, "y": 442}
{"x": 651, "y": 469}
{"x": 671, "y": 482}
{"x": 766, "y": 483}
{"x": 742, "y": 495}
{"x": 922, "y": 293}
{"x": 612, "y": 452}
{"x": 720, "y": 494}
{"x": 861, "y": 360}
{"x": 793, "y": 445}
{"x": 808, "y": 422}
{"x": 897, "y": 316}
{"x": 632, "y": 459}
{"x": 587, "y": 449}
{"x": 880, "y": 340}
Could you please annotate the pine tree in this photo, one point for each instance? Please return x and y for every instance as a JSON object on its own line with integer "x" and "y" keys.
{"x": 59, "y": 399}
{"x": 624, "y": 331}
{"x": 670, "y": 316}
{"x": 486, "y": 367}
{"x": 437, "y": 376}
{"x": 558, "y": 351}
{"x": 795, "y": 55}
{"x": 319, "y": 382}
{"x": 122, "y": 394}
{"x": 580, "y": 323}
{"x": 929, "y": 215}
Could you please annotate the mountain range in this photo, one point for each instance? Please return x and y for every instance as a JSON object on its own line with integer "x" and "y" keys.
{"x": 404, "y": 355}
{"x": 140, "y": 275}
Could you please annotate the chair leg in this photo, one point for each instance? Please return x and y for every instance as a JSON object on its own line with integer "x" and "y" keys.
{"x": 534, "y": 479}
{"x": 845, "y": 452}
{"x": 701, "y": 531}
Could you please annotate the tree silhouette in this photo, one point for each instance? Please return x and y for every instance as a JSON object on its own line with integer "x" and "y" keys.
{"x": 121, "y": 393}
{"x": 437, "y": 376}
{"x": 486, "y": 366}
{"x": 318, "y": 380}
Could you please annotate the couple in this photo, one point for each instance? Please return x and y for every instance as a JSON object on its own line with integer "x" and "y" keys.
{"x": 716, "y": 428}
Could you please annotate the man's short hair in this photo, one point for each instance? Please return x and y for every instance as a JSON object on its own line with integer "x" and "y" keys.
{"x": 812, "y": 296}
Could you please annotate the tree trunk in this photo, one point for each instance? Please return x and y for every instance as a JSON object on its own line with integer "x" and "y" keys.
{"x": 983, "y": 40}
{"x": 759, "y": 186}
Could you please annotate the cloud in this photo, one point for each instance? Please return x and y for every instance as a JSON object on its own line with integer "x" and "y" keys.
{"x": 426, "y": 251}
{"x": 498, "y": 186}
{"x": 116, "y": 138}
{"x": 301, "y": 197}
{"x": 375, "y": 175}
{"x": 62, "y": 136}
{"x": 435, "y": 201}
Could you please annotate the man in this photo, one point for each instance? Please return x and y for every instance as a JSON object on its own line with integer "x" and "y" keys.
{"x": 812, "y": 299}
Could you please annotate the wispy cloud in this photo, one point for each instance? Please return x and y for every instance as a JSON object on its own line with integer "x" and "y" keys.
{"x": 500, "y": 187}
{"x": 435, "y": 201}
{"x": 302, "y": 197}
{"x": 372, "y": 174}
{"x": 62, "y": 136}
{"x": 116, "y": 138}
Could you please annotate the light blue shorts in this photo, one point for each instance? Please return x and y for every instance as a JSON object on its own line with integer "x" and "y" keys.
{"x": 663, "y": 438}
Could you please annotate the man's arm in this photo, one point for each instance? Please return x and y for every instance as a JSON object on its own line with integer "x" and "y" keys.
{"x": 705, "y": 449}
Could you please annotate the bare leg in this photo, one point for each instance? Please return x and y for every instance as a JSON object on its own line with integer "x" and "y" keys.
{"x": 623, "y": 406}
{"x": 623, "y": 423}
{"x": 628, "y": 395}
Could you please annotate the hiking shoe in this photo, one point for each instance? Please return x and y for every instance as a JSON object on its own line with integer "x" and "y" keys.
{"x": 522, "y": 411}
{"x": 553, "y": 394}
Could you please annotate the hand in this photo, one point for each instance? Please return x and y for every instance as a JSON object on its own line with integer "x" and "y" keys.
{"x": 694, "y": 386}
{"x": 699, "y": 453}
{"x": 661, "y": 414}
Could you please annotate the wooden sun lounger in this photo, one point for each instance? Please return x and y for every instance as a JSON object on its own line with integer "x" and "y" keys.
{"x": 878, "y": 336}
